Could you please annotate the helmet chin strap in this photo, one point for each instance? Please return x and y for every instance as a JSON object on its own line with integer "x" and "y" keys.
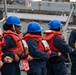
{"x": 14, "y": 29}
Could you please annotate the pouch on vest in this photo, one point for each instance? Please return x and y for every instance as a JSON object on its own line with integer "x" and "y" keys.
{"x": 25, "y": 65}
{"x": 25, "y": 51}
{"x": 46, "y": 46}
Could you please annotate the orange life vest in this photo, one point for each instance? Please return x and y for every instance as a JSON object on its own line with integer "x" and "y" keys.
{"x": 1, "y": 54}
{"x": 38, "y": 39}
{"x": 19, "y": 47}
{"x": 49, "y": 36}
{"x": 2, "y": 41}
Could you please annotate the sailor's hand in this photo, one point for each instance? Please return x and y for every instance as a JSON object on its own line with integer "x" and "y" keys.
{"x": 1, "y": 63}
{"x": 59, "y": 53}
{"x": 73, "y": 49}
{"x": 16, "y": 58}
{"x": 49, "y": 52}
{"x": 29, "y": 57}
{"x": 8, "y": 59}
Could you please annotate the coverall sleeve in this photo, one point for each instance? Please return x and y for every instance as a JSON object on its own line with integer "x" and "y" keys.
{"x": 7, "y": 45}
{"x": 61, "y": 45}
{"x": 54, "y": 54}
{"x": 33, "y": 49}
{"x": 72, "y": 38}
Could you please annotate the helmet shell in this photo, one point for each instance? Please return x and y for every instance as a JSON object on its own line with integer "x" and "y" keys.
{"x": 54, "y": 24}
{"x": 34, "y": 27}
{"x": 14, "y": 20}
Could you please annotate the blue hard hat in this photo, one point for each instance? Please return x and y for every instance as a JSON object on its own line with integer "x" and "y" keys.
{"x": 14, "y": 20}
{"x": 54, "y": 24}
{"x": 34, "y": 27}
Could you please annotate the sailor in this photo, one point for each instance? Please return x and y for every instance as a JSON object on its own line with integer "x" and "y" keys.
{"x": 72, "y": 43}
{"x": 56, "y": 41}
{"x": 2, "y": 43}
{"x": 37, "y": 50}
{"x": 13, "y": 46}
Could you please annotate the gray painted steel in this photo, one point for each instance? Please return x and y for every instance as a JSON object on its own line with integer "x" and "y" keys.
{"x": 38, "y": 16}
{"x": 47, "y": 6}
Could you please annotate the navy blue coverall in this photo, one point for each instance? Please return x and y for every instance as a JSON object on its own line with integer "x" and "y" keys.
{"x": 56, "y": 65}
{"x": 38, "y": 64}
{"x": 72, "y": 40}
{"x": 9, "y": 68}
